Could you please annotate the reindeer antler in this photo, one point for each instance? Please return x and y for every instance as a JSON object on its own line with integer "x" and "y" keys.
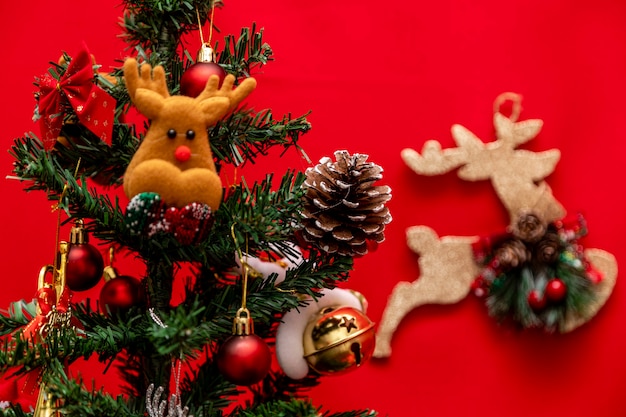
{"x": 144, "y": 77}
{"x": 433, "y": 160}
{"x": 235, "y": 96}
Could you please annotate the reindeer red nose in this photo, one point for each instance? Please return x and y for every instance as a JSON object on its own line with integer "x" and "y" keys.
{"x": 182, "y": 153}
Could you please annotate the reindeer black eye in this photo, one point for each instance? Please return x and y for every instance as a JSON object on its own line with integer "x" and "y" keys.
{"x": 191, "y": 134}
{"x": 171, "y": 133}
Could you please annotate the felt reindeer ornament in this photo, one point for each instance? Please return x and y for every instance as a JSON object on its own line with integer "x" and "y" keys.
{"x": 175, "y": 159}
{"x": 535, "y": 272}
{"x": 173, "y": 168}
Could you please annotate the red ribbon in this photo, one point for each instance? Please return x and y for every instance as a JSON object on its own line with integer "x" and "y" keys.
{"x": 94, "y": 107}
{"x": 35, "y": 329}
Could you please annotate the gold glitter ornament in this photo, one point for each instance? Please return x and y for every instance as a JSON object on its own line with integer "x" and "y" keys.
{"x": 338, "y": 339}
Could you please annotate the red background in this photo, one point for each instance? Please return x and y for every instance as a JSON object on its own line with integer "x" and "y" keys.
{"x": 380, "y": 77}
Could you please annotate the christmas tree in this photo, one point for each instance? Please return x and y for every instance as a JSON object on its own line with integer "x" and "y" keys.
{"x": 262, "y": 260}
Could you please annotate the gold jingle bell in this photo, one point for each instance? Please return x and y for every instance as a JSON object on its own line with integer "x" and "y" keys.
{"x": 338, "y": 339}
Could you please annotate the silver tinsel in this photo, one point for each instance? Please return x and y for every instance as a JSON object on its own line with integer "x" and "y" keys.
{"x": 157, "y": 407}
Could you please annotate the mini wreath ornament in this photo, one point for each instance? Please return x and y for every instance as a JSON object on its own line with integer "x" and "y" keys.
{"x": 537, "y": 275}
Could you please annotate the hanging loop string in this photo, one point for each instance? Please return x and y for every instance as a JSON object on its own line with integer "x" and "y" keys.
{"x": 210, "y": 25}
{"x": 514, "y": 98}
{"x": 56, "y": 207}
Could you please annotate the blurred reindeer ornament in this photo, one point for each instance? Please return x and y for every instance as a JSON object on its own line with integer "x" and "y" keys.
{"x": 535, "y": 273}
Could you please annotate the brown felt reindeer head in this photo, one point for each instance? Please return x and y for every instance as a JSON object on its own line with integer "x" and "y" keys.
{"x": 175, "y": 158}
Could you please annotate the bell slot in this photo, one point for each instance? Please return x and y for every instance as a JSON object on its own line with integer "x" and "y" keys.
{"x": 356, "y": 349}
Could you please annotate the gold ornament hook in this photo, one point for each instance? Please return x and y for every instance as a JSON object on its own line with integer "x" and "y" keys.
{"x": 59, "y": 273}
{"x": 243, "y": 325}
{"x": 45, "y": 405}
{"x": 109, "y": 271}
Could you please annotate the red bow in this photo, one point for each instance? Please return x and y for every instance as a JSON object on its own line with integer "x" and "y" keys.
{"x": 94, "y": 107}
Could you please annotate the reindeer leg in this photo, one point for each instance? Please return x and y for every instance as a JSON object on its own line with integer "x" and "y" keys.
{"x": 405, "y": 297}
{"x": 606, "y": 263}
{"x": 399, "y": 304}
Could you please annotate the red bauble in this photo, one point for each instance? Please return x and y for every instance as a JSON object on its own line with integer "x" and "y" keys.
{"x": 120, "y": 294}
{"x": 556, "y": 290}
{"x": 595, "y": 277}
{"x": 536, "y": 301}
{"x": 84, "y": 267}
{"x": 244, "y": 360}
{"x": 195, "y": 77}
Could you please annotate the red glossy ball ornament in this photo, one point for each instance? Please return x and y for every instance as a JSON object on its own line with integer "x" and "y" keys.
{"x": 194, "y": 79}
{"x": 244, "y": 359}
{"x": 536, "y": 301}
{"x": 556, "y": 290}
{"x": 84, "y": 267}
{"x": 84, "y": 262}
{"x": 120, "y": 293}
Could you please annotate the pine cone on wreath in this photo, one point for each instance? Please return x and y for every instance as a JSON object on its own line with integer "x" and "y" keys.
{"x": 512, "y": 254}
{"x": 343, "y": 210}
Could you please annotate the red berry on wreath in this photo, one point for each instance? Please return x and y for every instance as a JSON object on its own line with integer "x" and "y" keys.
{"x": 594, "y": 276}
{"x": 556, "y": 290}
{"x": 536, "y": 300}
{"x": 194, "y": 79}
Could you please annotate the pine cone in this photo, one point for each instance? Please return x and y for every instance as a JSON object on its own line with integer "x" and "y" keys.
{"x": 342, "y": 207}
{"x": 548, "y": 248}
{"x": 512, "y": 254}
{"x": 529, "y": 228}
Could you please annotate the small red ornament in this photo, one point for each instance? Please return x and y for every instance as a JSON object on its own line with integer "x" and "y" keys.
{"x": 194, "y": 79}
{"x": 536, "y": 300}
{"x": 120, "y": 293}
{"x": 84, "y": 262}
{"x": 556, "y": 290}
{"x": 244, "y": 358}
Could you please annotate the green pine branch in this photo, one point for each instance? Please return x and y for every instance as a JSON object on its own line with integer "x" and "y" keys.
{"x": 245, "y": 135}
{"x": 158, "y": 25}
{"x": 294, "y": 408}
{"x": 260, "y": 219}
{"x": 76, "y": 400}
{"x": 205, "y": 391}
{"x": 18, "y": 315}
{"x": 242, "y": 55}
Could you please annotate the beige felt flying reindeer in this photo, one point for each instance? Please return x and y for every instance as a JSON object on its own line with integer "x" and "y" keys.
{"x": 447, "y": 264}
